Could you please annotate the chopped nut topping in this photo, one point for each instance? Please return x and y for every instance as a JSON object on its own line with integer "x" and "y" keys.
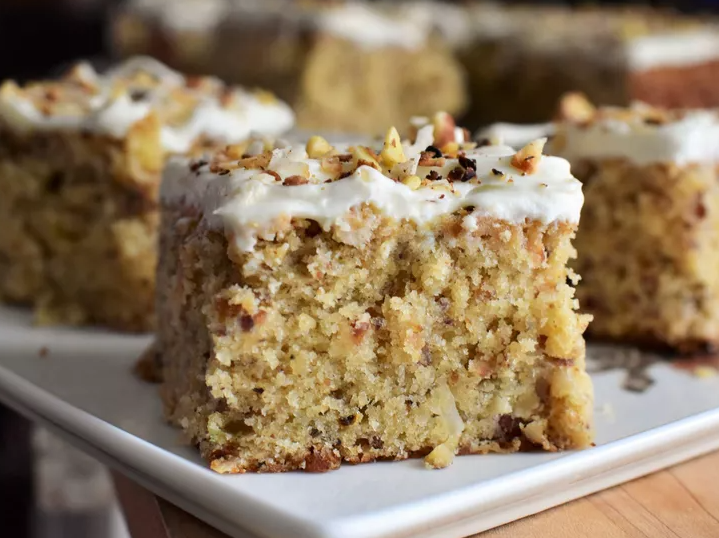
{"x": 317, "y": 147}
{"x": 426, "y": 159}
{"x": 576, "y": 108}
{"x": 392, "y": 152}
{"x": 363, "y": 156}
{"x": 467, "y": 163}
{"x": 413, "y": 182}
{"x": 295, "y": 180}
{"x": 456, "y": 174}
{"x": 331, "y": 165}
{"x": 527, "y": 158}
{"x": 256, "y": 161}
{"x": 444, "y": 125}
{"x": 433, "y": 152}
{"x": 450, "y": 149}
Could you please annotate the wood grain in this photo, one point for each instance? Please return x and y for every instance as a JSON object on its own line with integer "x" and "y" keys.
{"x": 680, "y": 502}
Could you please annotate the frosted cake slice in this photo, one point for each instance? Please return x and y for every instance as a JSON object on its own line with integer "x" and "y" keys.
{"x": 649, "y": 241}
{"x": 322, "y": 304}
{"x": 80, "y": 166}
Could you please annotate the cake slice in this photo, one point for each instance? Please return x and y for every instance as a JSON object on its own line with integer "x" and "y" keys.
{"x": 649, "y": 241}
{"x": 521, "y": 59}
{"x": 323, "y": 304}
{"x": 343, "y": 66}
{"x": 80, "y": 166}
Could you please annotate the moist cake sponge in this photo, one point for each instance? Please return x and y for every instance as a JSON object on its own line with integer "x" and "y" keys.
{"x": 324, "y": 304}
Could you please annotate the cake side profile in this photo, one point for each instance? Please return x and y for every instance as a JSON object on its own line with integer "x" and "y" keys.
{"x": 80, "y": 166}
{"x": 648, "y": 245}
{"x": 321, "y": 304}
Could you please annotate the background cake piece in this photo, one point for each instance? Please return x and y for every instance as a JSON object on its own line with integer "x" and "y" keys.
{"x": 80, "y": 166}
{"x": 649, "y": 239}
{"x": 344, "y": 66}
{"x": 319, "y": 304}
{"x": 522, "y": 59}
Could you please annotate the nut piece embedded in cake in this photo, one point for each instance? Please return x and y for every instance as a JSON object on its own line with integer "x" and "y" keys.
{"x": 390, "y": 310}
{"x": 648, "y": 244}
{"x": 80, "y": 165}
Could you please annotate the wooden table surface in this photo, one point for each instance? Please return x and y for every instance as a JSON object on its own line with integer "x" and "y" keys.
{"x": 680, "y": 502}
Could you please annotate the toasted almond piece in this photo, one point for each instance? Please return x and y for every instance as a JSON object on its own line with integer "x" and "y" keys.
{"x": 331, "y": 165}
{"x": 235, "y": 152}
{"x": 413, "y": 182}
{"x": 363, "y": 156}
{"x": 527, "y": 158}
{"x": 392, "y": 152}
{"x": 256, "y": 161}
{"x": 317, "y": 147}
{"x": 444, "y": 126}
{"x": 576, "y": 108}
{"x": 296, "y": 180}
{"x": 427, "y": 159}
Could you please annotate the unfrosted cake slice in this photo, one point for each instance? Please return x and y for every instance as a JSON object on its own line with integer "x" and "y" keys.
{"x": 80, "y": 167}
{"x": 321, "y": 304}
{"x": 649, "y": 240}
{"x": 343, "y": 66}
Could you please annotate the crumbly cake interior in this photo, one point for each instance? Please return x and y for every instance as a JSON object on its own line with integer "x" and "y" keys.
{"x": 373, "y": 337}
{"x": 344, "y": 87}
{"x": 74, "y": 240}
{"x": 663, "y": 289}
{"x": 648, "y": 247}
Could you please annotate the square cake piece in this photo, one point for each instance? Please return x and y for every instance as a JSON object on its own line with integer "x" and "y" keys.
{"x": 343, "y": 66}
{"x": 321, "y": 304}
{"x": 521, "y": 59}
{"x": 80, "y": 165}
{"x": 649, "y": 240}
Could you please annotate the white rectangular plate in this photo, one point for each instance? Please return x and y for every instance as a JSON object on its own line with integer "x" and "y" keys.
{"x": 83, "y": 389}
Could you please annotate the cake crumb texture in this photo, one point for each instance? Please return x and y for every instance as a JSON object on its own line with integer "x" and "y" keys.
{"x": 324, "y": 346}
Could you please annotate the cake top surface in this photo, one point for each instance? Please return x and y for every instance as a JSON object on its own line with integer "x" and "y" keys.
{"x": 641, "y": 134}
{"x": 249, "y": 189}
{"x": 188, "y": 108}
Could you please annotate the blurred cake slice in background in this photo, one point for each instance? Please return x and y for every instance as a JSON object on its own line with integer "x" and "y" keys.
{"x": 80, "y": 166}
{"x": 521, "y": 59}
{"x": 648, "y": 245}
{"x": 344, "y": 66}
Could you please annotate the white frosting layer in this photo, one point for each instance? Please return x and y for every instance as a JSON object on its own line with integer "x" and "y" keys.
{"x": 247, "y": 202}
{"x": 114, "y": 114}
{"x": 371, "y": 28}
{"x": 692, "y": 139}
{"x": 514, "y": 134}
{"x": 672, "y": 50}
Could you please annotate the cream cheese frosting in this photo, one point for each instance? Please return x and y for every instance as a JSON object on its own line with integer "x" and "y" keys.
{"x": 514, "y": 134}
{"x": 225, "y": 115}
{"x": 692, "y": 137}
{"x": 371, "y": 27}
{"x": 246, "y": 202}
{"x": 680, "y": 49}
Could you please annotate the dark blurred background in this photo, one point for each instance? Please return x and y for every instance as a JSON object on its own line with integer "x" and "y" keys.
{"x": 39, "y": 35}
